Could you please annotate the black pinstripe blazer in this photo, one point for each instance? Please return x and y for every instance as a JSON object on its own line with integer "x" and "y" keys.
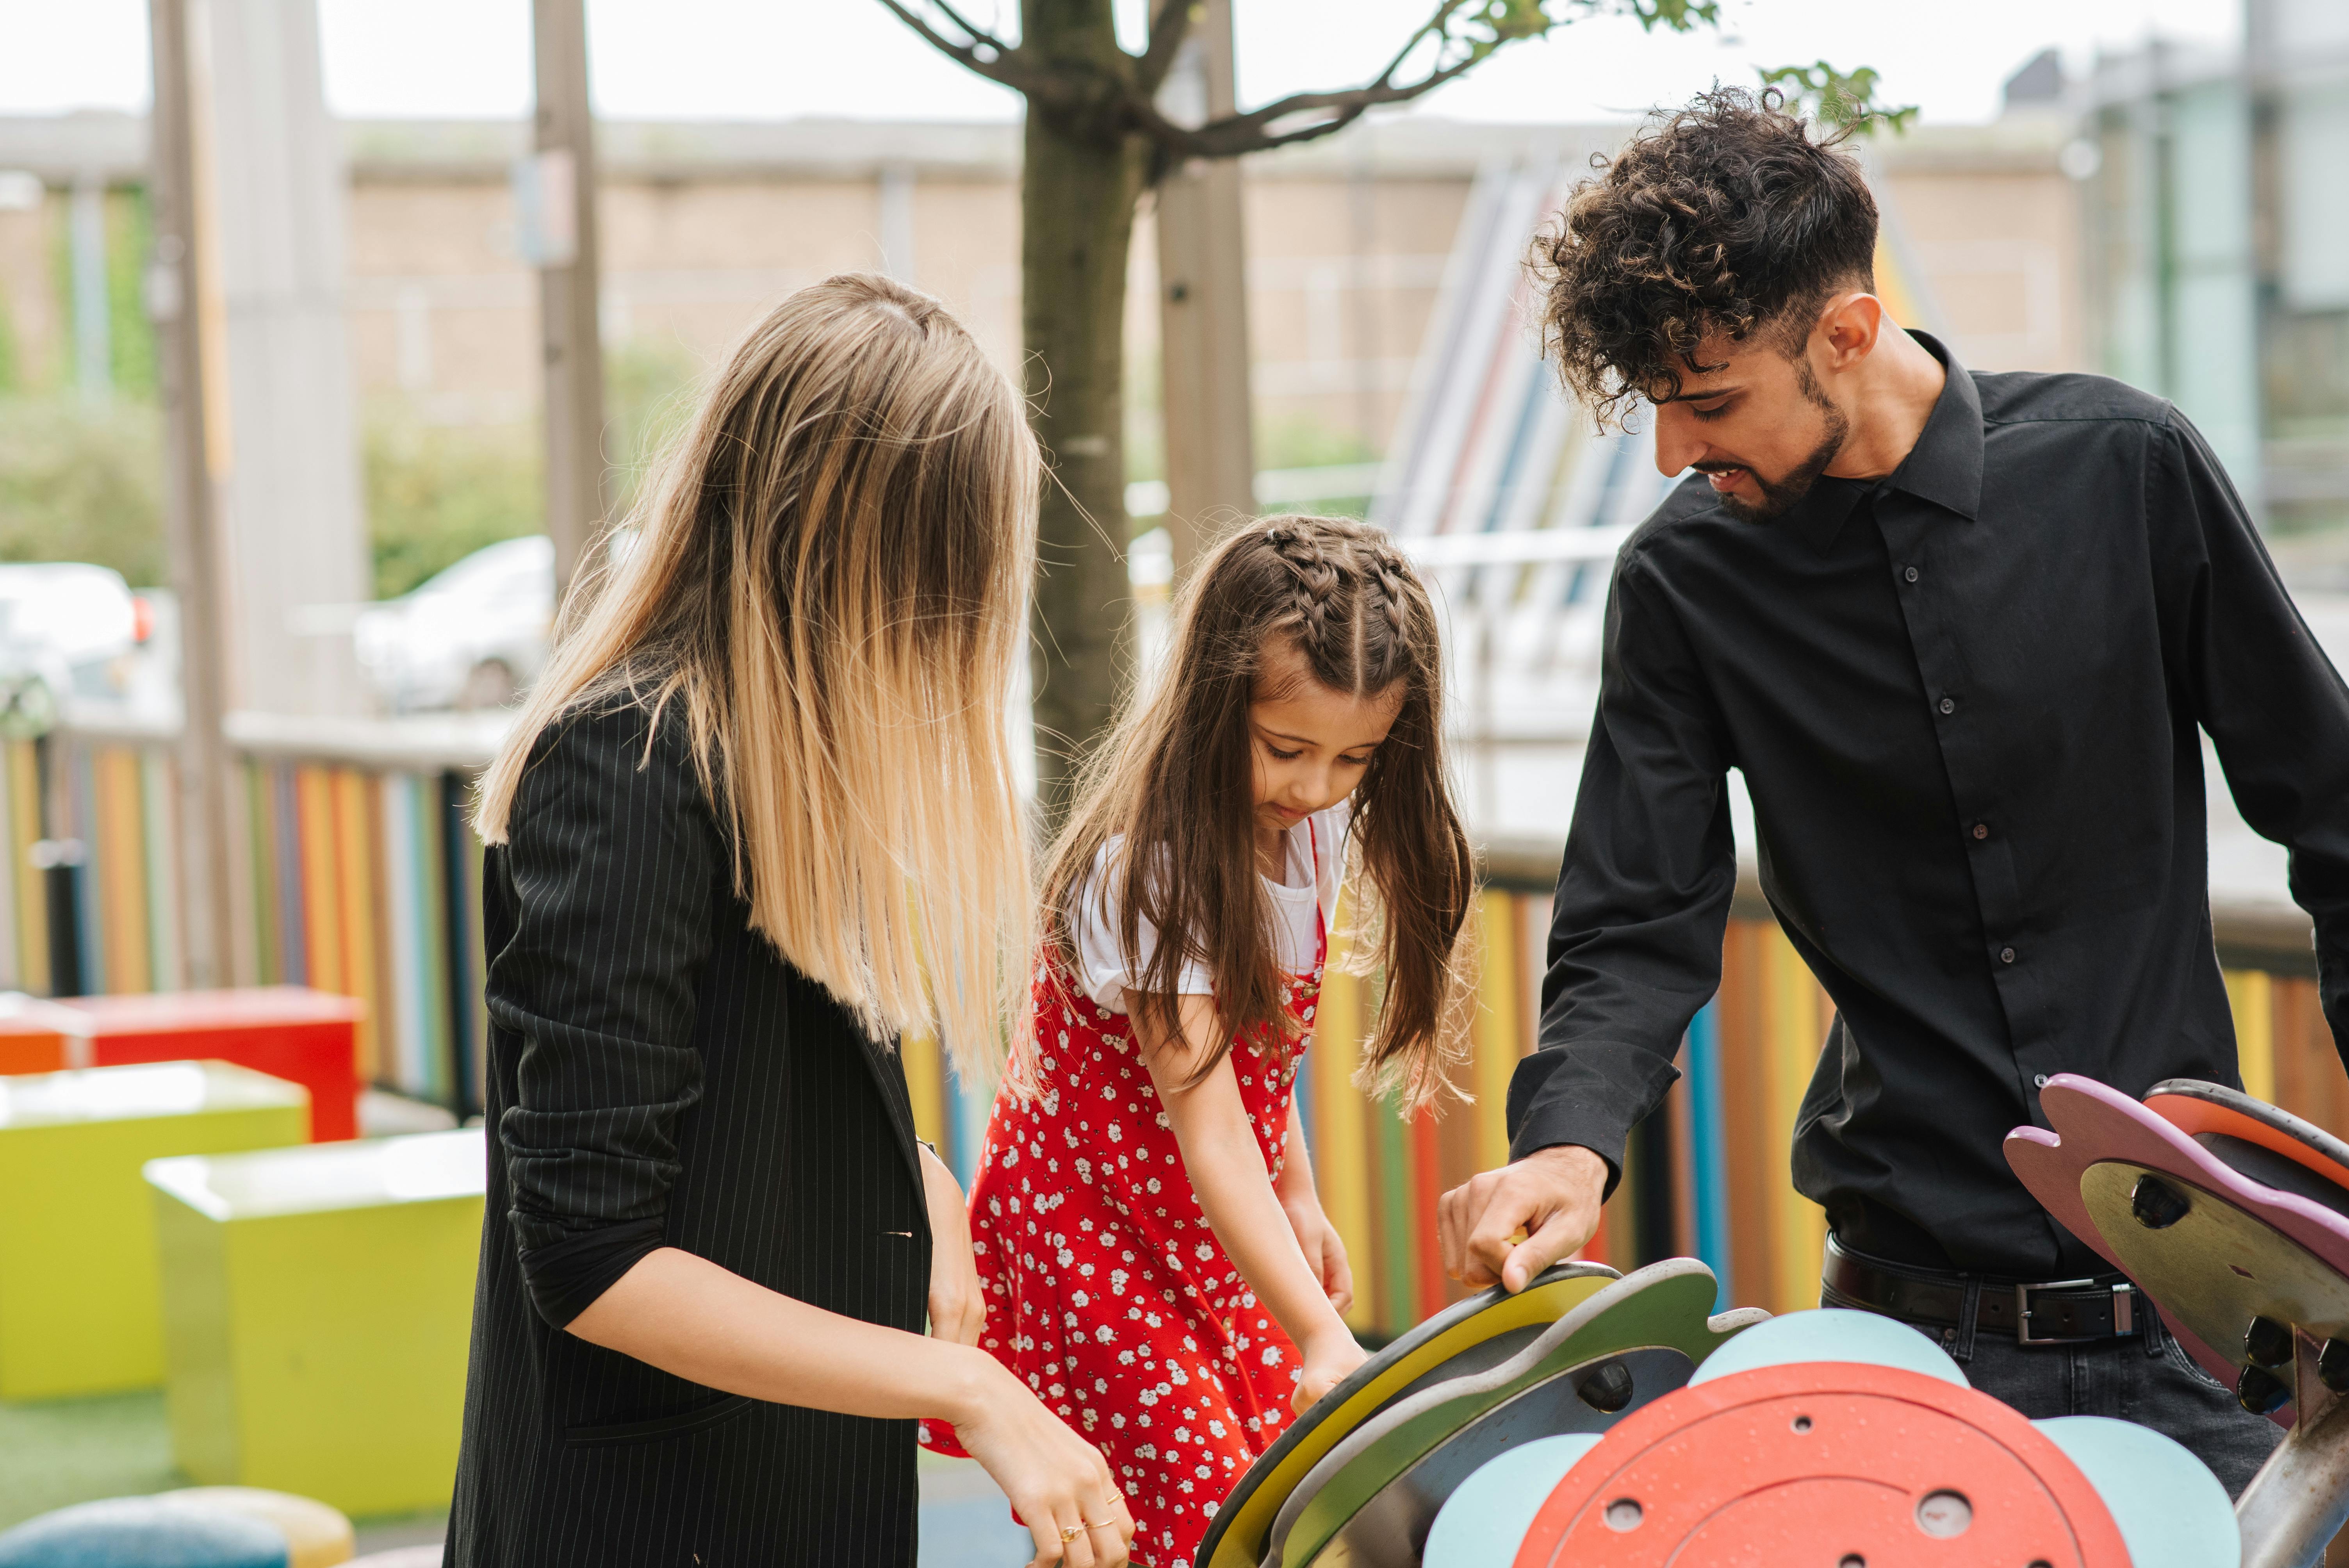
{"x": 658, "y": 1075}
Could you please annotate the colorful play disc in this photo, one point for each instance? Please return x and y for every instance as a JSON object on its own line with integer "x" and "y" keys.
{"x": 2172, "y": 1511}
{"x": 1831, "y": 1334}
{"x": 1446, "y": 1345}
{"x": 1371, "y": 1500}
{"x": 1824, "y": 1462}
{"x": 2239, "y": 1129}
{"x": 1487, "y": 1516}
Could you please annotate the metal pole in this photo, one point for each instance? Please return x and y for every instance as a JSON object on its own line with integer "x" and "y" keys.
{"x": 576, "y": 502}
{"x": 1202, "y": 307}
{"x": 176, "y": 282}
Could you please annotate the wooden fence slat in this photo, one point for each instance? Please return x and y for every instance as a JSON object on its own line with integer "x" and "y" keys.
{"x": 158, "y": 798}
{"x": 1794, "y": 1013}
{"x": 2252, "y": 1000}
{"x": 24, "y": 829}
{"x": 1336, "y": 1138}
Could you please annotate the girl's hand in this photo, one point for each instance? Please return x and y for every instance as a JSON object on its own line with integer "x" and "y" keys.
{"x": 1056, "y": 1481}
{"x": 1328, "y": 1358}
{"x": 958, "y": 1300}
{"x": 1324, "y": 1249}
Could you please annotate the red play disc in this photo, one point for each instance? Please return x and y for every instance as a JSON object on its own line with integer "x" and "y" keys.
{"x": 1825, "y": 1464}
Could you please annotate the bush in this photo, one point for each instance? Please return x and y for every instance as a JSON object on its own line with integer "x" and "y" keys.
{"x": 83, "y": 482}
{"x": 436, "y": 493}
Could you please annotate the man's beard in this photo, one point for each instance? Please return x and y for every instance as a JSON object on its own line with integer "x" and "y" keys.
{"x": 1777, "y": 495}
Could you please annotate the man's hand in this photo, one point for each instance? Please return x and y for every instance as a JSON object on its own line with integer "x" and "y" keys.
{"x": 957, "y": 1300}
{"x": 1551, "y": 1199}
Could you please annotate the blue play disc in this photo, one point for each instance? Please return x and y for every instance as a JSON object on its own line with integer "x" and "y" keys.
{"x": 2172, "y": 1512}
{"x": 1830, "y": 1333}
{"x": 1483, "y": 1523}
{"x": 144, "y": 1533}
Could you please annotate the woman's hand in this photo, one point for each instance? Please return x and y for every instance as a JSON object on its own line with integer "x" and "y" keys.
{"x": 1328, "y": 1358}
{"x": 1057, "y": 1481}
{"x": 957, "y": 1299}
{"x": 1324, "y": 1249}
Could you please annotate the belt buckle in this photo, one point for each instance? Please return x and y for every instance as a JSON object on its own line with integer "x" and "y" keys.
{"x": 2022, "y": 1335}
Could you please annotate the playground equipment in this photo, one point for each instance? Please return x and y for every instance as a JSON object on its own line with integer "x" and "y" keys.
{"x": 1609, "y": 1422}
{"x": 2233, "y": 1217}
{"x": 203, "y": 1527}
{"x": 304, "y": 1037}
{"x": 1361, "y": 1476}
{"x": 79, "y": 1287}
{"x": 318, "y": 1309}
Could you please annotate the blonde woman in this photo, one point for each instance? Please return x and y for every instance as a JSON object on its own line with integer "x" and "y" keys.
{"x": 764, "y": 777}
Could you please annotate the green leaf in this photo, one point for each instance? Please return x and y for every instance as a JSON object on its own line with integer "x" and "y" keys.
{"x": 1488, "y": 25}
{"x": 1839, "y": 98}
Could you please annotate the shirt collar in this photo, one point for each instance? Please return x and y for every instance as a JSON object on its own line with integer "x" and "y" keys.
{"x": 1945, "y": 466}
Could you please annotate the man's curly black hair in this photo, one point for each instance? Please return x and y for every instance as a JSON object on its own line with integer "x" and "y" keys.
{"x": 1725, "y": 216}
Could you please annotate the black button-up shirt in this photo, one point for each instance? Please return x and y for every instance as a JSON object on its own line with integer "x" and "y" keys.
{"x": 1965, "y": 699}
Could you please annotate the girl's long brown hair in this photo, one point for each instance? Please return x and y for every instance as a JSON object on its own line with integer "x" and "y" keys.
{"x": 827, "y": 581}
{"x": 1177, "y": 779}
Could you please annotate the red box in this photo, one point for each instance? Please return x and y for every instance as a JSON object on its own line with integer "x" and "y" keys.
{"x": 34, "y": 1035}
{"x": 310, "y": 1037}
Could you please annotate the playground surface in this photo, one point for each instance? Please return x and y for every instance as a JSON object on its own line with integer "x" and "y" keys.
{"x": 63, "y": 1452}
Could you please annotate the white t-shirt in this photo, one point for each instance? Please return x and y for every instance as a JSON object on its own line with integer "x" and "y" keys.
{"x": 1303, "y": 899}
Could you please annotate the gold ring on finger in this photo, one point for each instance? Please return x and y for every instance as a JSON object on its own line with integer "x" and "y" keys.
{"x": 1099, "y": 1523}
{"x": 1069, "y": 1532}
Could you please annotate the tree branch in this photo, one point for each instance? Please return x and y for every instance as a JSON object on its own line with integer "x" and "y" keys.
{"x": 978, "y": 34}
{"x": 1005, "y": 67}
{"x": 1169, "y": 25}
{"x": 1238, "y": 134}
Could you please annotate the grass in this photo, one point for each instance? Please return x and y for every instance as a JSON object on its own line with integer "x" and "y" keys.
{"x": 66, "y": 1451}
{"x": 60, "y": 1452}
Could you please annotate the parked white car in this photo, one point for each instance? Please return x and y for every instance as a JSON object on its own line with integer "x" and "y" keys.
{"x": 474, "y": 636}
{"x": 66, "y": 631}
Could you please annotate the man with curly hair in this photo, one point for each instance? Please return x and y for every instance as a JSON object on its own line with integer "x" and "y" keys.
{"x": 1962, "y": 633}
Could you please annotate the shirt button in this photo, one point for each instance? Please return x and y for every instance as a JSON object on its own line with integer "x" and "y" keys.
{"x": 1910, "y": 574}
{"x": 1948, "y": 704}
{"x": 2006, "y": 956}
{"x": 2039, "y": 1080}
{"x": 1981, "y": 830}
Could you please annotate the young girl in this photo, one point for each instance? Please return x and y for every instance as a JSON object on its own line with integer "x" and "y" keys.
{"x": 1156, "y": 1262}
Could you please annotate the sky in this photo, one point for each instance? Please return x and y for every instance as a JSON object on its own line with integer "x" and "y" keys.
{"x": 776, "y": 59}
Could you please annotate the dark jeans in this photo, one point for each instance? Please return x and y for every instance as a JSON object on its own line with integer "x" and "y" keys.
{"x": 2143, "y": 1377}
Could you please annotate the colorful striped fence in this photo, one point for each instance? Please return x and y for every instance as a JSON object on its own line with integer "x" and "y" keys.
{"x": 359, "y": 876}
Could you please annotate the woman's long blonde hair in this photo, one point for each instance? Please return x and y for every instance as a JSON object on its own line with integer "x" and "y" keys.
{"x": 827, "y": 581}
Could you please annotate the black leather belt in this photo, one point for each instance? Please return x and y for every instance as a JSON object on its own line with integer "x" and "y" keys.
{"x": 2046, "y": 1312}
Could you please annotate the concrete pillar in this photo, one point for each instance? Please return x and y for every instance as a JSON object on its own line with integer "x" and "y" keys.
{"x": 896, "y": 235}
{"x": 181, "y": 291}
{"x": 578, "y": 497}
{"x": 1203, "y": 306}
{"x": 92, "y": 318}
{"x": 285, "y": 456}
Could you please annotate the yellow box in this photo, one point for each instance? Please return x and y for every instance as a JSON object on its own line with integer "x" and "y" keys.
{"x": 317, "y": 1310}
{"x": 78, "y": 1304}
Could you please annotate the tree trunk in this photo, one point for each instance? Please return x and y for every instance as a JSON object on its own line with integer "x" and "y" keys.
{"x": 1079, "y": 184}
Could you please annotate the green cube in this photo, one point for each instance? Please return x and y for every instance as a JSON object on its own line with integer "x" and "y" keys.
{"x": 318, "y": 1303}
{"x": 78, "y": 1295}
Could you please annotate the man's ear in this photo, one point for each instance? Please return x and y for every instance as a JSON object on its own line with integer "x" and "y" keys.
{"x": 1847, "y": 330}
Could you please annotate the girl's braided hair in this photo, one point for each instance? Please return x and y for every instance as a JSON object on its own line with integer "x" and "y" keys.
{"x": 1175, "y": 783}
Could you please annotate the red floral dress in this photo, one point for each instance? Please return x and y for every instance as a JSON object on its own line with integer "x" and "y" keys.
{"x": 1107, "y": 1290}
